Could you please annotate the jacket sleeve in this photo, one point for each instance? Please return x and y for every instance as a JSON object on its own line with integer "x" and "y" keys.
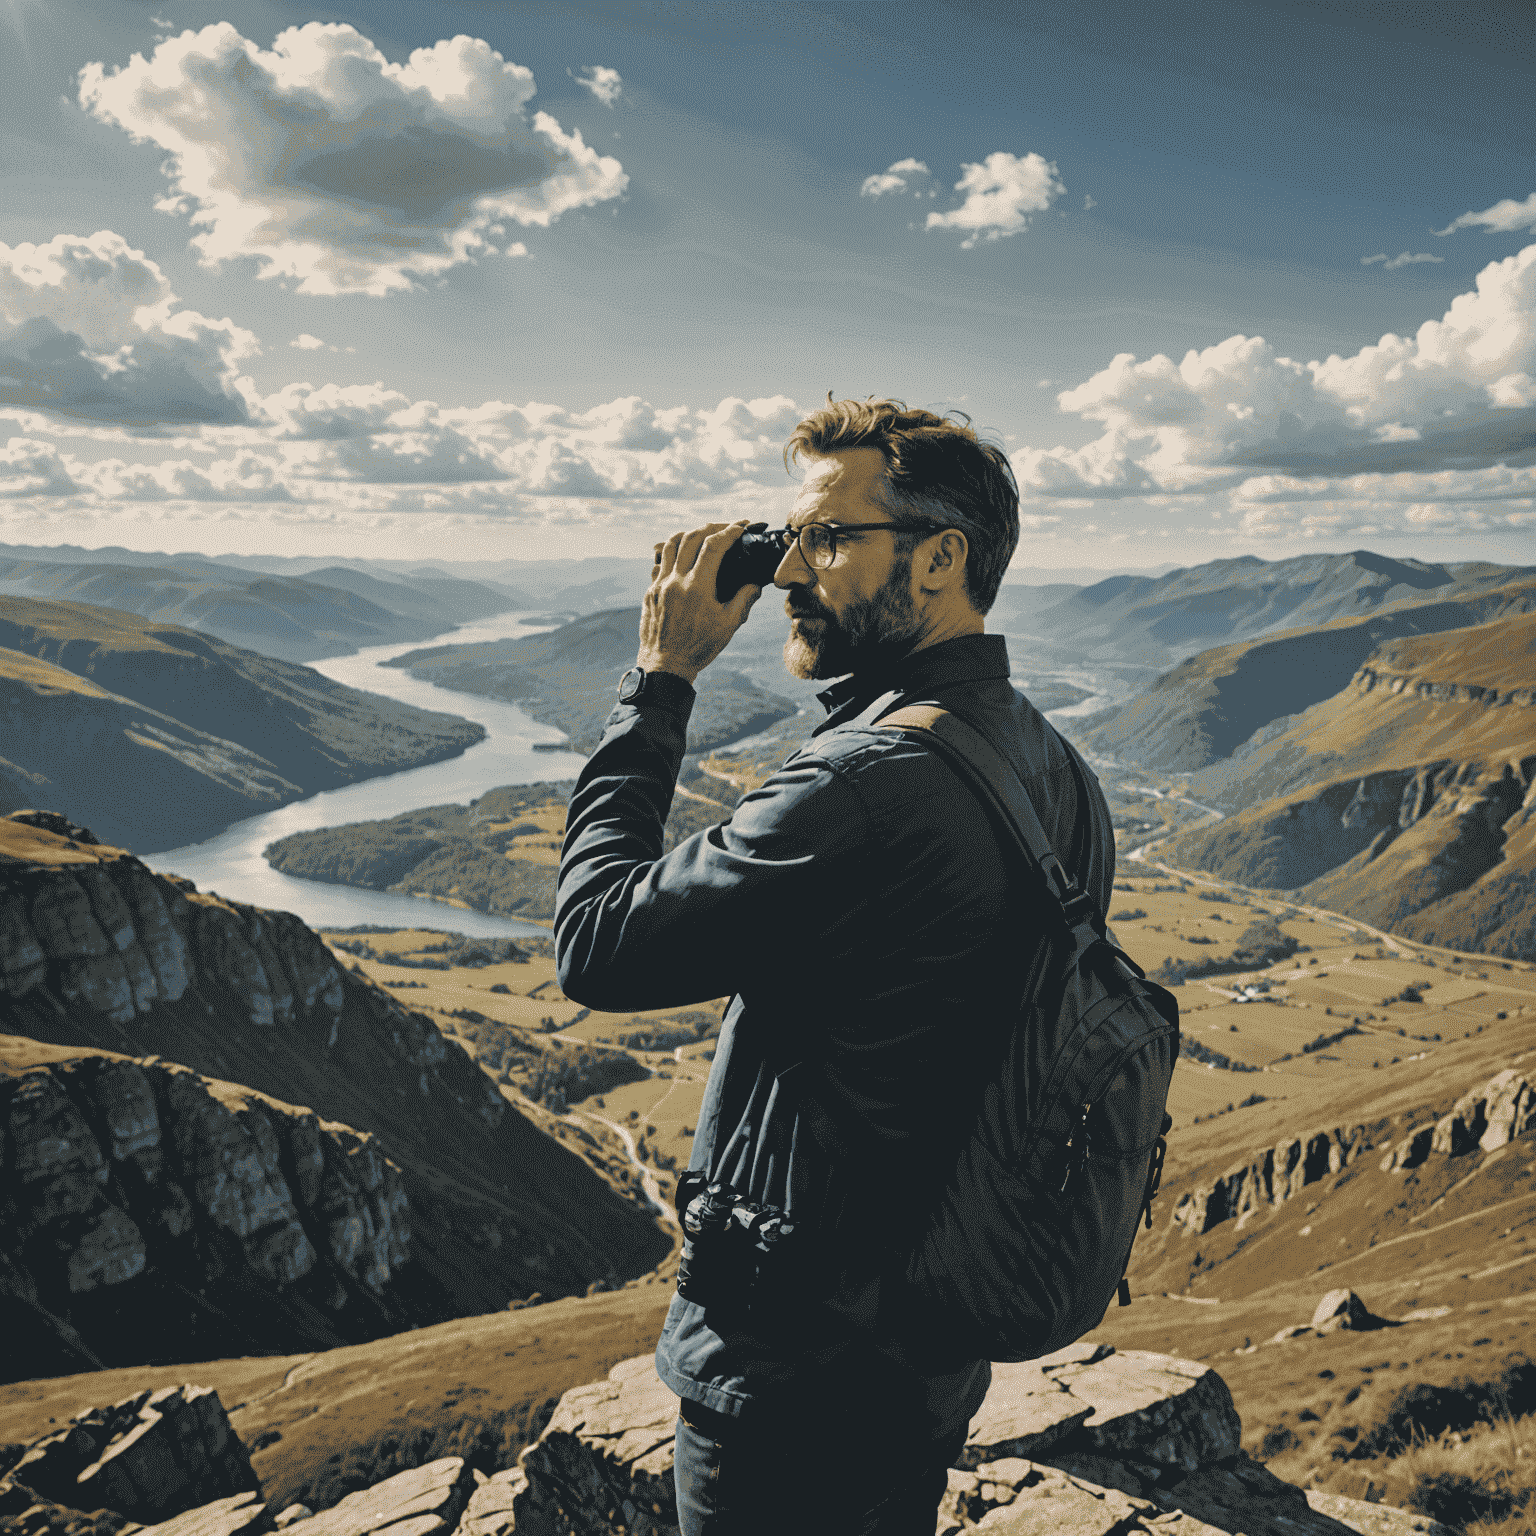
{"x": 729, "y": 907}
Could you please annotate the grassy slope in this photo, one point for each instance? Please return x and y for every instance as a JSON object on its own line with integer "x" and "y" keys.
{"x": 71, "y": 744}
{"x": 303, "y": 728}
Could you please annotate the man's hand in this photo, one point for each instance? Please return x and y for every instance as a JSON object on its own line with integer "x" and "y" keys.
{"x": 683, "y": 625}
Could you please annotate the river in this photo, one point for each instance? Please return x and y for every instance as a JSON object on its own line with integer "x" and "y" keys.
{"x": 232, "y": 865}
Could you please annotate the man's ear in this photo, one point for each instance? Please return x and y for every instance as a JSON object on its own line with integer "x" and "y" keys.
{"x": 946, "y": 561}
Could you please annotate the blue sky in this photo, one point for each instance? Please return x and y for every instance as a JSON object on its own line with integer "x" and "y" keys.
{"x": 562, "y": 286}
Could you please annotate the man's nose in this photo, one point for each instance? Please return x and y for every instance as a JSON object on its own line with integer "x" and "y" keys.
{"x": 793, "y": 570}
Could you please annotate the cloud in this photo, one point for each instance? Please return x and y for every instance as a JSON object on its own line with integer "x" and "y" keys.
{"x": 1088, "y": 203}
{"x": 325, "y": 163}
{"x": 1392, "y": 263}
{"x": 1506, "y": 217}
{"x": 306, "y": 343}
{"x": 31, "y": 468}
{"x": 1457, "y": 394}
{"x": 89, "y": 328}
{"x": 604, "y": 83}
{"x": 1000, "y": 195}
{"x": 897, "y": 179}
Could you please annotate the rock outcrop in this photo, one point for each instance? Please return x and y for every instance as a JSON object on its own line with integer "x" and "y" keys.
{"x": 1484, "y": 1119}
{"x": 148, "y": 1457}
{"x": 222, "y": 1219}
{"x": 1087, "y": 1441}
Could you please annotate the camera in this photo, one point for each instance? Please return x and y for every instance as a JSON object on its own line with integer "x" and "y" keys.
{"x": 750, "y": 561}
{"x": 726, "y": 1239}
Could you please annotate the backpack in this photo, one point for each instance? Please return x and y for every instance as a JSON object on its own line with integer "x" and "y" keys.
{"x": 1032, "y": 1233}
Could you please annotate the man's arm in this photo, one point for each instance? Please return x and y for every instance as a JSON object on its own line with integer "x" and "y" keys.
{"x": 730, "y": 907}
{"x": 635, "y": 930}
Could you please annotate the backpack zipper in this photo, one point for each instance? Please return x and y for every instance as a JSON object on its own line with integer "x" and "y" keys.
{"x": 1077, "y": 1148}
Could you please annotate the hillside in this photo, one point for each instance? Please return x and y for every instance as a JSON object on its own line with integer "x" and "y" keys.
{"x": 331, "y": 612}
{"x": 104, "y": 963}
{"x": 1207, "y": 707}
{"x": 1320, "y": 1408}
{"x": 499, "y": 853}
{"x": 566, "y": 678}
{"x": 160, "y": 736}
{"x": 1404, "y": 799}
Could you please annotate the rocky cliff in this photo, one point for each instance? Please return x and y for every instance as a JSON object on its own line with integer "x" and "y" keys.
{"x": 221, "y": 1220}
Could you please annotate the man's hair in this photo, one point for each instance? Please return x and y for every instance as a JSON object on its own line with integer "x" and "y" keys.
{"x": 936, "y": 471}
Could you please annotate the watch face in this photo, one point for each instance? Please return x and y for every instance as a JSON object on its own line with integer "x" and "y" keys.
{"x": 631, "y": 685}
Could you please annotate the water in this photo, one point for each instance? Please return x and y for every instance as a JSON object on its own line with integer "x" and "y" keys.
{"x": 232, "y": 865}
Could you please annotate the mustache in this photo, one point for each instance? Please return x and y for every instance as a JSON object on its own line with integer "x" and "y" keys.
{"x": 804, "y": 610}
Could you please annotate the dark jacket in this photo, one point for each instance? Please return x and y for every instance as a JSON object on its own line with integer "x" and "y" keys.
{"x": 861, "y": 909}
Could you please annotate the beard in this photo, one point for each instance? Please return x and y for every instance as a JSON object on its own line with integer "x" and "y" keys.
{"x": 872, "y": 632}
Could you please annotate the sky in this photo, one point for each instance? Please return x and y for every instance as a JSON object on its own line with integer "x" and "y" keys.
{"x": 488, "y": 280}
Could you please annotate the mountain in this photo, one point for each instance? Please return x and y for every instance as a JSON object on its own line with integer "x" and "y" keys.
{"x": 332, "y": 613}
{"x": 164, "y": 736}
{"x": 1158, "y": 620}
{"x": 1405, "y": 799}
{"x": 566, "y": 678}
{"x": 318, "y": 1166}
{"x": 1205, "y": 708}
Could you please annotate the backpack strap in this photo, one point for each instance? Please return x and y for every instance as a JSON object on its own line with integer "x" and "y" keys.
{"x": 995, "y": 780}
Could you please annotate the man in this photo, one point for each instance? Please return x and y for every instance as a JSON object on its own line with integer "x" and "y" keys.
{"x": 875, "y": 935}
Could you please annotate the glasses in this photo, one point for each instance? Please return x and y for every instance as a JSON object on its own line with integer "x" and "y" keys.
{"x": 818, "y": 541}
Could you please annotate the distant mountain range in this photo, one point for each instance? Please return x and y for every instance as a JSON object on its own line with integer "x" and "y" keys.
{"x": 159, "y": 736}
{"x": 334, "y": 612}
{"x": 1154, "y": 621}
{"x": 566, "y": 678}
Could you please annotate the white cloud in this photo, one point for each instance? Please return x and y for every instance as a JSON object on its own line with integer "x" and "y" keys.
{"x": 604, "y": 83}
{"x": 1392, "y": 263}
{"x": 1000, "y": 195}
{"x": 1506, "y": 217}
{"x": 326, "y": 163}
{"x": 896, "y": 179}
{"x": 89, "y": 328}
{"x": 306, "y": 343}
{"x": 1457, "y": 393}
{"x": 31, "y": 468}
{"x": 1088, "y": 202}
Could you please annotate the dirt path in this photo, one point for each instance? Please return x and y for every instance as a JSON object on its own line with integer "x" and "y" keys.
{"x": 648, "y": 1181}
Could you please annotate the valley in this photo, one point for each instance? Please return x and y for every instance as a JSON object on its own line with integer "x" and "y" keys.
{"x": 452, "y": 1203}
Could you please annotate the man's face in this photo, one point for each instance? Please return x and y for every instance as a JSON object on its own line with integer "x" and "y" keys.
{"x": 859, "y": 611}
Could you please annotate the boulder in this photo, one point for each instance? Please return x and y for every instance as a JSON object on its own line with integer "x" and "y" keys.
{"x": 1341, "y": 1308}
{"x": 1241, "y": 1496}
{"x": 148, "y": 1457}
{"x": 420, "y": 1502}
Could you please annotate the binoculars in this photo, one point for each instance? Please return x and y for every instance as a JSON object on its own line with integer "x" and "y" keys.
{"x": 750, "y": 561}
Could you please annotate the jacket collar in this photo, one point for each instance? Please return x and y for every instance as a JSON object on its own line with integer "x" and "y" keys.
{"x": 967, "y": 659}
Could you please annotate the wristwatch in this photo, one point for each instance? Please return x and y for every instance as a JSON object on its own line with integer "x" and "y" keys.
{"x": 632, "y": 685}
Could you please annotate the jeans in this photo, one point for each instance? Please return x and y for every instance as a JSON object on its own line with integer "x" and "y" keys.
{"x": 812, "y": 1476}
